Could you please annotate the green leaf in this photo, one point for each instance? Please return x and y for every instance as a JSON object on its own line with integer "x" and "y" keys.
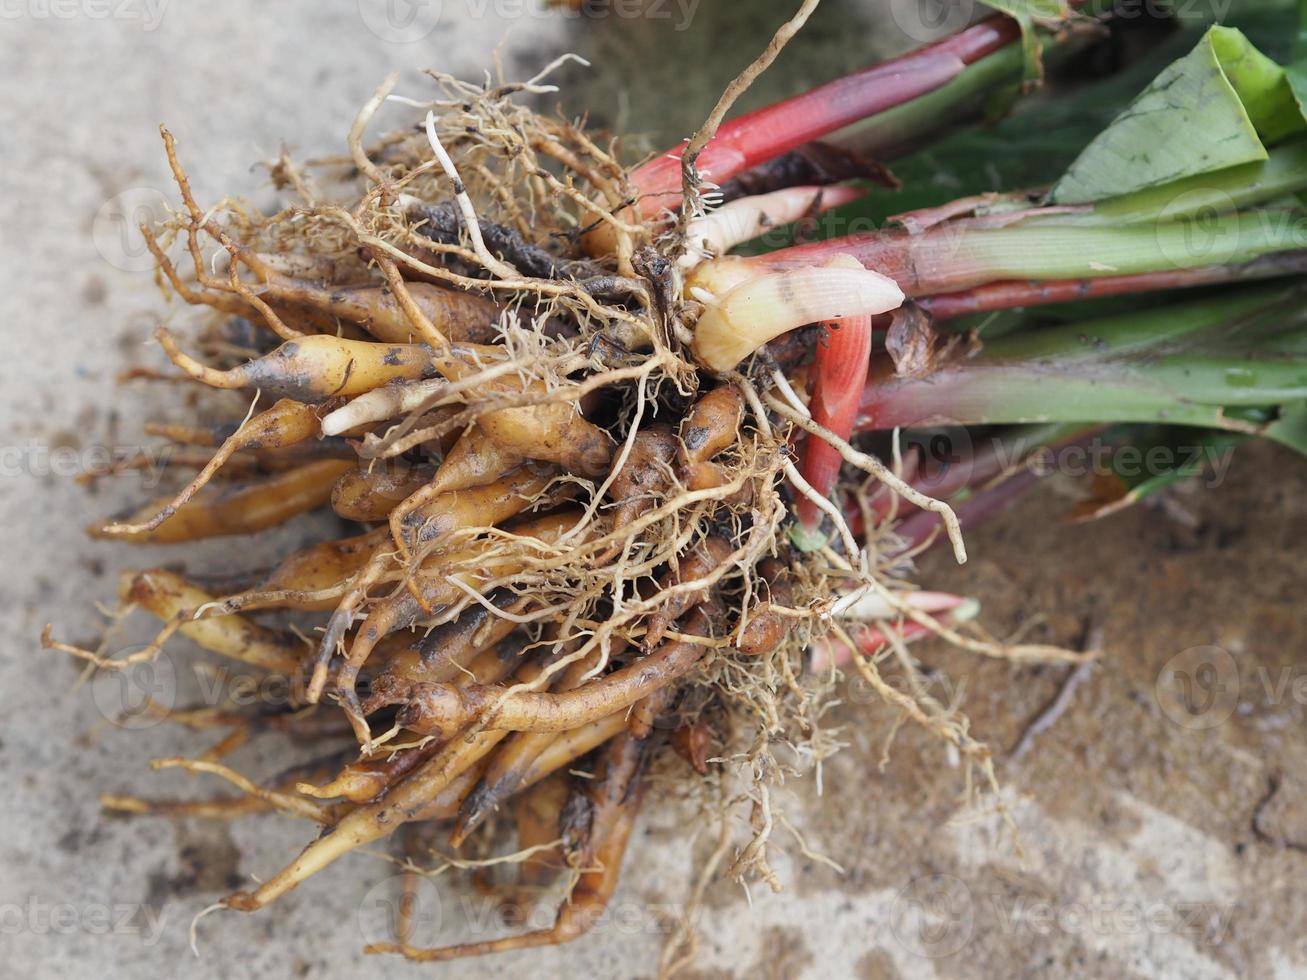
{"x": 1027, "y": 13}
{"x": 1290, "y": 429}
{"x": 1281, "y": 175}
{"x": 1042, "y": 137}
{"x": 1041, "y": 10}
{"x": 1031, "y": 148}
{"x": 1260, "y": 83}
{"x": 1296, "y": 73}
{"x": 1217, "y": 107}
{"x": 806, "y": 540}
{"x": 1151, "y": 459}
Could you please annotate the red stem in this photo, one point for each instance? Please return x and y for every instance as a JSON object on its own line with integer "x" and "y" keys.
{"x": 1012, "y": 293}
{"x": 975, "y": 509}
{"x": 839, "y": 374}
{"x": 973, "y": 474}
{"x": 764, "y": 133}
{"x": 870, "y": 640}
{"x": 921, "y": 264}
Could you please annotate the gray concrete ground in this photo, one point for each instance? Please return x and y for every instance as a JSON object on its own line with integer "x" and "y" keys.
{"x": 1150, "y": 841}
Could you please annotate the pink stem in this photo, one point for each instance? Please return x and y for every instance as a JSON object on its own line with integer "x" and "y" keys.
{"x": 917, "y": 528}
{"x": 768, "y": 132}
{"x": 870, "y": 640}
{"x": 839, "y": 373}
{"x": 922, "y": 264}
{"x": 1012, "y": 293}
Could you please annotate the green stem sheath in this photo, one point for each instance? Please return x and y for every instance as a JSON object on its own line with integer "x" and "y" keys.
{"x": 1184, "y": 364}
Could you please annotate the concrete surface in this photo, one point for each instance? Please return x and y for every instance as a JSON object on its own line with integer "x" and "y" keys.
{"x": 1152, "y": 839}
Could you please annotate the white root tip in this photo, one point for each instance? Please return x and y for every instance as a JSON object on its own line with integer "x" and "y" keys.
{"x": 343, "y": 418}
{"x": 866, "y": 604}
{"x": 733, "y": 224}
{"x": 379, "y": 404}
{"x": 770, "y": 304}
{"x": 719, "y": 276}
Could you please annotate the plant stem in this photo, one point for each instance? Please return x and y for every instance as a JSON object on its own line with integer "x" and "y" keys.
{"x": 1176, "y": 364}
{"x": 918, "y": 527}
{"x": 838, "y": 375}
{"x": 962, "y": 254}
{"x": 1009, "y": 294}
{"x": 946, "y": 466}
{"x": 898, "y": 129}
{"x": 768, "y": 132}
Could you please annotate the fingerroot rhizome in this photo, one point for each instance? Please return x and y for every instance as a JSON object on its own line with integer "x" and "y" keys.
{"x": 564, "y": 582}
